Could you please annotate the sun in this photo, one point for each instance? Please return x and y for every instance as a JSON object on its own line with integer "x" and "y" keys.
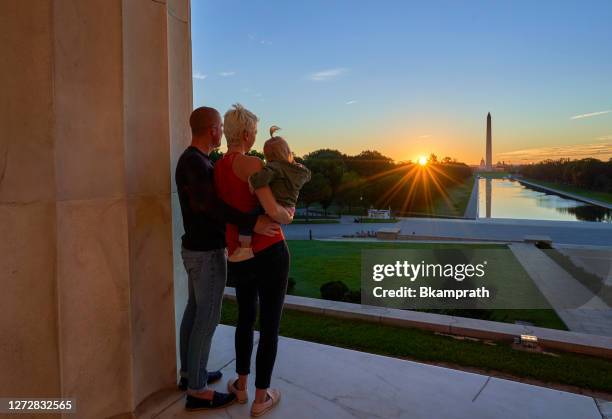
{"x": 422, "y": 160}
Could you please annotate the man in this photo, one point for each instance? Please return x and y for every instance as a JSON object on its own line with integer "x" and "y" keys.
{"x": 204, "y": 256}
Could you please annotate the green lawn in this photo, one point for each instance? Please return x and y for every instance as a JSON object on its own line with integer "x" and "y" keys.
{"x": 314, "y": 263}
{"x": 406, "y": 343}
{"x": 314, "y": 221}
{"x": 493, "y": 175}
{"x": 366, "y": 220}
{"x": 454, "y": 204}
{"x": 599, "y": 196}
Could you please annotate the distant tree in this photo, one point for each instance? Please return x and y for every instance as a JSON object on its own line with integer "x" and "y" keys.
{"x": 330, "y": 164}
{"x": 373, "y": 179}
{"x": 349, "y": 192}
{"x": 586, "y": 173}
{"x": 369, "y": 163}
{"x": 256, "y": 154}
{"x": 316, "y": 190}
{"x": 215, "y": 155}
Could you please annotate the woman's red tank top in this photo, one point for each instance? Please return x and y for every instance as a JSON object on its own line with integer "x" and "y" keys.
{"x": 235, "y": 192}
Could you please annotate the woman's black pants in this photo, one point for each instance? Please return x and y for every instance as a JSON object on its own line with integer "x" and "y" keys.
{"x": 265, "y": 278}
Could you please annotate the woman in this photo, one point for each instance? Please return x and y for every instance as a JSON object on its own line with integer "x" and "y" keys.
{"x": 263, "y": 277}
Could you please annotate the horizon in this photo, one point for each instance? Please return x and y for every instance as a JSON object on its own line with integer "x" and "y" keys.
{"x": 414, "y": 79}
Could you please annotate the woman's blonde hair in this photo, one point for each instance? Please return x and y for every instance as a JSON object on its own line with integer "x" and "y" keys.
{"x": 236, "y": 121}
{"x": 276, "y": 148}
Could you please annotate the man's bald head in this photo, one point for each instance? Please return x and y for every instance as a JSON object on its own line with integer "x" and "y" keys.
{"x": 202, "y": 119}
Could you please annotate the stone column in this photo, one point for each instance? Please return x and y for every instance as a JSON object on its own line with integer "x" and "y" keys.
{"x": 181, "y": 103}
{"x": 89, "y": 124}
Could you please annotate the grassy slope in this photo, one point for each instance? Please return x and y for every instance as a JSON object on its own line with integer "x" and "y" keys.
{"x": 366, "y": 220}
{"x": 454, "y": 205}
{"x": 600, "y": 196}
{"x": 493, "y": 175}
{"x": 456, "y": 201}
{"x": 569, "y": 369}
{"x": 314, "y": 221}
{"x": 314, "y": 263}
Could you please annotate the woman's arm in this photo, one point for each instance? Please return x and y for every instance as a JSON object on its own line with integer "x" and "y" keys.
{"x": 245, "y": 167}
{"x": 277, "y": 212}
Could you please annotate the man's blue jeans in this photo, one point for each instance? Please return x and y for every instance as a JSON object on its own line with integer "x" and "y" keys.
{"x": 207, "y": 273}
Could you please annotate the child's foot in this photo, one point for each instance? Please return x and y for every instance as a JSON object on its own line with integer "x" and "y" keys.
{"x": 241, "y": 254}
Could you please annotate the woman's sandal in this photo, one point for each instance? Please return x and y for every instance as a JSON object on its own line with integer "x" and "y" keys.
{"x": 262, "y": 408}
{"x": 241, "y": 395}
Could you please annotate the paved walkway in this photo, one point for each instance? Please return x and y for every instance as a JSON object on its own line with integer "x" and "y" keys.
{"x": 577, "y": 306}
{"x": 561, "y": 232}
{"x": 596, "y": 261}
{"x": 319, "y": 381}
{"x": 567, "y": 232}
{"x": 320, "y": 231}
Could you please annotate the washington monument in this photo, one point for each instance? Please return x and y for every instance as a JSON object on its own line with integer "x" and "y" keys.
{"x": 489, "y": 162}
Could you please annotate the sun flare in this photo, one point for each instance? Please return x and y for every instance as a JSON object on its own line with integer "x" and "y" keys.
{"x": 422, "y": 160}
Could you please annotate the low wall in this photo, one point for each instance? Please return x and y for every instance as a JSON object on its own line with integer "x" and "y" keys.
{"x": 552, "y": 339}
{"x": 565, "y": 194}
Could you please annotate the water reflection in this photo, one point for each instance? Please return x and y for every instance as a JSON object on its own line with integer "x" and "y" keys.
{"x": 488, "y": 196}
{"x": 589, "y": 213}
{"x": 505, "y": 198}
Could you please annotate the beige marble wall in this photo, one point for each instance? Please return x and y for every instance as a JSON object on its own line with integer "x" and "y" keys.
{"x": 94, "y": 297}
{"x": 88, "y": 137}
{"x": 147, "y": 151}
{"x": 29, "y": 342}
{"x": 181, "y": 104}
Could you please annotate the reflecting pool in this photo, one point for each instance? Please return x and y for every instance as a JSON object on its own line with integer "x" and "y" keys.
{"x": 506, "y": 198}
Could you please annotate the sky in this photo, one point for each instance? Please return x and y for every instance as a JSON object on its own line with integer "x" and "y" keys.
{"x": 411, "y": 78}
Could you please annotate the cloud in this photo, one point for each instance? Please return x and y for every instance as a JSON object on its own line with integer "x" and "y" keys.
{"x": 604, "y": 137}
{"x": 328, "y": 74}
{"x": 199, "y": 76}
{"x": 425, "y": 136}
{"x": 350, "y": 102}
{"x": 588, "y": 115}
{"x": 254, "y": 38}
{"x": 601, "y": 150}
{"x": 227, "y": 73}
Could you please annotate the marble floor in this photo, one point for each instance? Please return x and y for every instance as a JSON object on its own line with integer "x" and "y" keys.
{"x": 319, "y": 381}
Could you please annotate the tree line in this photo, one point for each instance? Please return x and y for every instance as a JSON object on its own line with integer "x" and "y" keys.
{"x": 353, "y": 183}
{"x": 586, "y": 173}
